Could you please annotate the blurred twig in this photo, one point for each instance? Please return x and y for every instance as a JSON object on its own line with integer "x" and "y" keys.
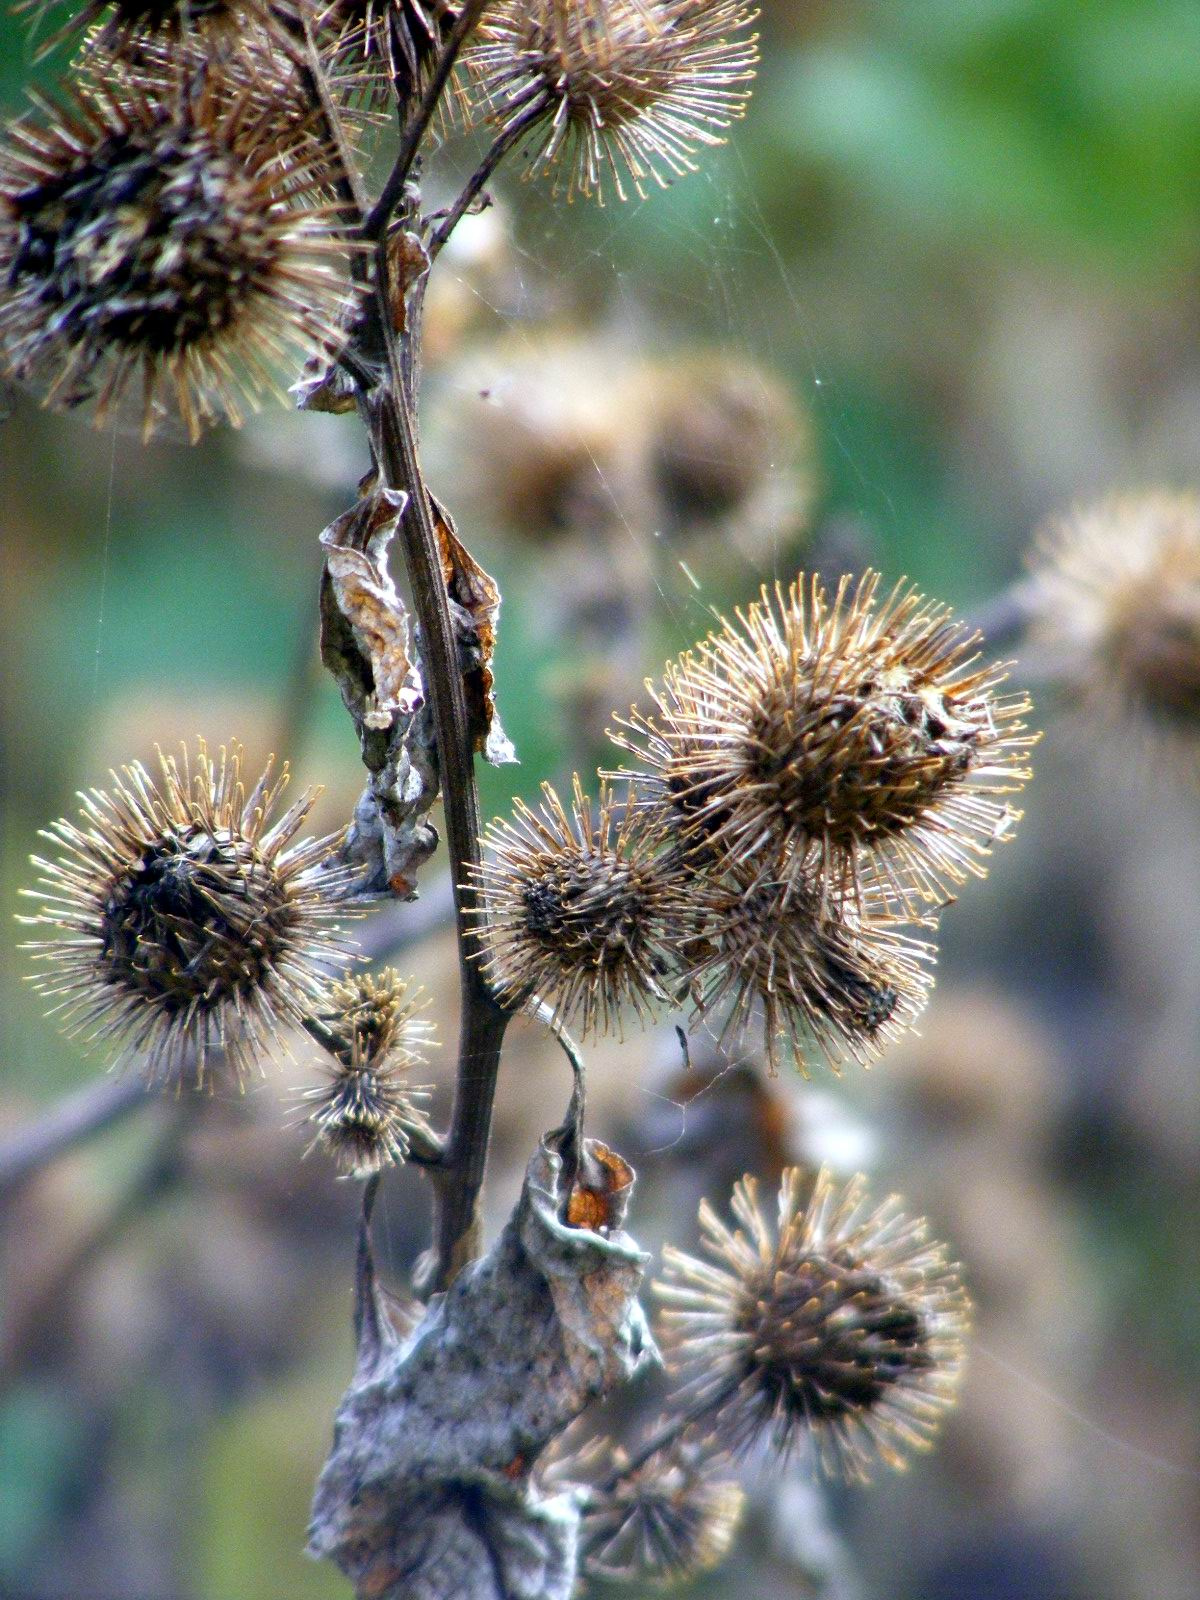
{"x": 66, "y": 1125}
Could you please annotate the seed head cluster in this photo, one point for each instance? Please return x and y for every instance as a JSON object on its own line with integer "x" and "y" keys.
{"x": 1117, "y": 615}
{"x": 841, "y": 1324}
{"x": 850, "y": 982}
{"x": 185, "y": 923}
{"x": 173, "y": 242}
{"x": 811, "y": 777}
{"x": 366, "y": 1110}
{"x": 615, "y": 94}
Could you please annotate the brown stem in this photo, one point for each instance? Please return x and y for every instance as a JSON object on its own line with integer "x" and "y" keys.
{"x": 67, "y": 1124}
{"x": 483, "y": 1021}
{"x": 366, "y": 1306}
{"x": 501, "y": 145}
{"x": 380, "y": 215}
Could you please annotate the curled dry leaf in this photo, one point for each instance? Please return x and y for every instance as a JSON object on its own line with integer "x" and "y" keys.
{"x": 427, "y": 1492}
{"x": 475, "y": 607}
{"x": 365, "y": 644}
{"x": 364, "y": 626}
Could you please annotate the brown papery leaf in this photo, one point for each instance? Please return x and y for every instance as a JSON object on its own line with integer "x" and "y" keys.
{"x": 364, "y": 626}
{"x": 475, "y": 607}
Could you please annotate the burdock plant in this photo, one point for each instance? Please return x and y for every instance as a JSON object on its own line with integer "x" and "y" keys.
{"x": 189, "y": 228}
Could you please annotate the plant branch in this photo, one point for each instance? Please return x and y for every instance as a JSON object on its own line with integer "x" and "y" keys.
{"x": 380, "y": 214}
{"x": 483, "y": 1021}
{"x": 366, "y": 1307}
{"x": 505, "y": 141}
{"x": 303, "y": 51}
{"x": 75, "y": 1118}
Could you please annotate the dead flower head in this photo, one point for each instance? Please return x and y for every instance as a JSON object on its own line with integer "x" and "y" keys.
{"x": 122, "y": 25}
{"x": 1117, "y": 612}
{"x": 664, "y": 1522}
{"x": 858, "y": 734}
{"x": 614, "y": 92}
{"x": 838, "y": 974}
{"x": 174, "y": 242}
{"x": 385, "y": 47}
{"x": 366, "y": 1109}
{"x": 185, "y": 923}
{"x": 842, "y": 1323}
{"x": 574, "y": 909}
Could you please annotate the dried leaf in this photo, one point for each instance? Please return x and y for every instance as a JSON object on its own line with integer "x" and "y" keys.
{"x": 475, "y": 606}
{"x": 427, "y": 1492}
{"x": 361, "y": 612}
{"x": 365, "y": 645}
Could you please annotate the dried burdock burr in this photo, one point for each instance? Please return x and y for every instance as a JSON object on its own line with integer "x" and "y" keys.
{"x": 662, "y": 1522}
{"x": 574, "y": 909}
{"x": 387, "y": 47}
{"x": 836, "y": 974}
{"x": 177, "y": 243}
{"x": 1116, "y": 614}
{"x": 613, "y": 94}
{"x": 366, "y": 1111}
{"x": 186, "y": 925}
{"x": 854, "y": 738}
{"x": 121, "y": 26}
{"x": 842, "y": 1324}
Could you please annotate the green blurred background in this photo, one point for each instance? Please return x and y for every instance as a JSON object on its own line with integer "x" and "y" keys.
{"x": 964, "y": 237}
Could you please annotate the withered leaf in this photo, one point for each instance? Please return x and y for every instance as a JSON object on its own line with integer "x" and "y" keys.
{"x": 475, "y": 606}
{"x": 364, "y": 626}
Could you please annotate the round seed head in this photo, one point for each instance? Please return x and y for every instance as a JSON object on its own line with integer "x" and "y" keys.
{"x": 844, "y": 736}
{"x": 1117, "y": 613}
{"x": 366, "y": 1110}
{"x": 387, "y": 47}
{"x": 615, "y": 94}
{"x": 121, "y": 26}
{"x": 574, "y": 908}
{"x": 841, "y": 1322}
{"x": 374, "y": 1017}
{"x": 165, "y": 240}
{"x": 668, "y": 1521}
{"x": 838, "y": 974}
{"x": 186, "y": 924}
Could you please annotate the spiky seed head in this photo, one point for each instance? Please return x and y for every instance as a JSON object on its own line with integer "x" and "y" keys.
{"x": 365, "y": 1111}
{"x": 187, "y": 925}
{"x": 842, "y": 1322}
{"x": 573, "y": 910}
{"x": 836, "y": 973}
{"x": 665, "y": 1522}
{"x": 386, "y": 47}
{"x": 615, "y": 94}
{"x": 121, "y": 26}
{"x": 846, "y": 735}
{"x": 171, "y": 241}
{"x": 372, "y": 1017}
{"x": 1117, "y": 613}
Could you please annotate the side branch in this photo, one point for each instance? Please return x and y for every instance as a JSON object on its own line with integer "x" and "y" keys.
{"x": 69, "y": 1123}
{"x": 376, "y": 224}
